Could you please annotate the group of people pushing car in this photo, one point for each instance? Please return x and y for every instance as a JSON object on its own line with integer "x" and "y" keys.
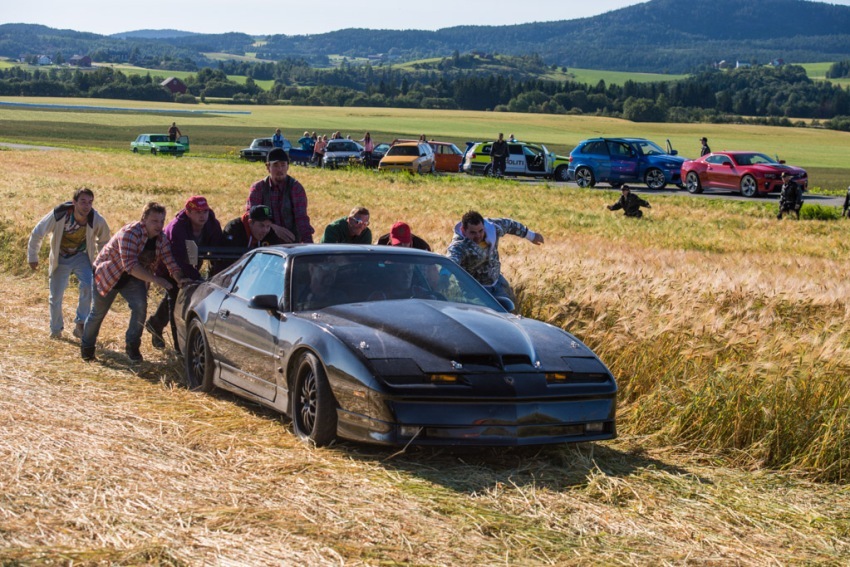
{"x": 151, "y": 251}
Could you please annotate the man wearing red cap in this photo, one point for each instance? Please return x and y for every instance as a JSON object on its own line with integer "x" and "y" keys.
{"x": 196, "y": 222}
{"x": 400, "y": 235}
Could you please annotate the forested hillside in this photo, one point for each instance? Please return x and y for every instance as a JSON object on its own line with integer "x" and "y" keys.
{"x": 676, "y": 36}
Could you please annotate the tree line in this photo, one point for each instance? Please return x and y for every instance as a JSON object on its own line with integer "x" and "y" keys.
{"x": 777, "y": 95}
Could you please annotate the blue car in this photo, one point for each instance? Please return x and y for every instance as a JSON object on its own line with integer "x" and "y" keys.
{"x": 625, "y": 160}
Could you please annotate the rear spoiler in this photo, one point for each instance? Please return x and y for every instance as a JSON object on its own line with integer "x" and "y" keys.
{"x": 198, "y": 253}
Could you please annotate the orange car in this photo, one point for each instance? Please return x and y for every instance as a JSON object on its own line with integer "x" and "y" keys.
{"x": 447, "y": 155}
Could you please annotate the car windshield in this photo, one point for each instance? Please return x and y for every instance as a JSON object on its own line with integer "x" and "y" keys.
{"x": 754, "y": 159}
{"x": 647, "y": 148}
{"x": 321, "y": 281}
{"x": 342, "y": 147}
{"x": 403, "y": 151}
{"x": 262, "y": 143}
{"x": 162, "y": 138}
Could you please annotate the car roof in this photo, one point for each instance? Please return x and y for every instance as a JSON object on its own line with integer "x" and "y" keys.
{"x": 607, "y": 139}
{"x": 340, "y": 249}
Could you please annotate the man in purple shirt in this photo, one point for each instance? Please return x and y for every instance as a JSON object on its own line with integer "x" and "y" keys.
{"x": 286, "y": 197}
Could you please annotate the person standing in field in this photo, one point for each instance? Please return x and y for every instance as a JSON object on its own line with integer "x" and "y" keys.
{"x": 475, "y": 248}
{"x": 846, "y": 212}
{"x": 319, "y": 150}
{"x": 353, "y": 229}
{"x": 286, "y": 198}
{"x": 195, "y": 222}
{"x": 77, "y": 233}
{"x": 499, "y": 156}
{"x": 704, "y": 149}
{"x": 277, "y": 139}
{"x": 368, "y": 147}
{"x": 174, "y": 132}
{"x": 630, "y": 203}
{"x": 790, "y": 196}
{"x": 125, "y": 266}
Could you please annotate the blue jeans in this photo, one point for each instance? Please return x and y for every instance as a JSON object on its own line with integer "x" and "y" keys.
{"x": 136, "y": 295}
{"x": 80, "y": 266}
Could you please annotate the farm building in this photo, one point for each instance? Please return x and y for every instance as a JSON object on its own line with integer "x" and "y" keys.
{"x": 174, "y": 85}
{"x": 80, "y": 61}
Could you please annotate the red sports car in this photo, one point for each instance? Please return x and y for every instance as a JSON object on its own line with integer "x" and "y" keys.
{"x": 751, "y": 173}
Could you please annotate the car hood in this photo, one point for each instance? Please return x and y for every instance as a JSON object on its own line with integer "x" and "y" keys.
{"x": 778, "y": 169}
{"x": 438, "y": 336}
{"x": 673, "y": 161}
{"x": 398, "y": 160}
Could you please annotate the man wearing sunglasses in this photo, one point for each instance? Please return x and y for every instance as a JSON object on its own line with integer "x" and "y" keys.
{"x": 353, "y": 229}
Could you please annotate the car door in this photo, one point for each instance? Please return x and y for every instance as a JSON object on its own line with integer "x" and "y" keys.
{"x": 535, "y": 160}
{"x": 595, "y": 156}
{"x": 246, "y": 338}
{"x": 720, "y": 172}
{"x": 516, "y": 163}
{"x": 624, "y": 162}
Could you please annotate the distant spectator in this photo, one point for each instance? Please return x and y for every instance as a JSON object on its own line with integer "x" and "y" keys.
{"x": 847, "y": 204}
{"x": 511, "y": 138}
{"x": 499, "y": 156}
{"x": 704, "y": 150}
{"x": 400, "y": 235}
{"x": 790, "y": 196}
{"x": 319, "y": 150}
{"x": 174, "y": 132}
{"x": 279, "y": 141}
{"x": 306, "y": 141}
{"x": 368, "y": 147}
{"x": 353, "y": 229}
{"x": 630, "y": 203}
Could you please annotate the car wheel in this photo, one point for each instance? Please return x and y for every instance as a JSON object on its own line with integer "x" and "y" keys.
{"x": 153, "y": 151}
{"x": 488, "y": 170}
{"x": 584, "y": 177}
{"x": 433, "y": 169}
{"x": 135, "y": 150}
{"x": 561, "y": 173}
{"x": 198, "y": 359}
{"x": 749, "y": 187}
{"x": 313, "y": 406}
{"x": 693, "y": 184}
{"x": 419, "y": 169}
{"x": 654, "y": 179}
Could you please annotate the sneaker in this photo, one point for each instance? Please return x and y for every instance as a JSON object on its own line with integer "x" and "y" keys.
{"x": 78, "y": 330}
{"x": 87, "y": 353}
{"x": 133, "y": 353}
{"x": 156, "y": 337}
{"x": 55, "y": 335}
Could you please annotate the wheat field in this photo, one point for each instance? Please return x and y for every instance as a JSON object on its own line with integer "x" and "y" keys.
{"x": 728, "y": 332}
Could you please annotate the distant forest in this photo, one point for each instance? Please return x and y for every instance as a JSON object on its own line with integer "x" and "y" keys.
{"x": 659, "y": 36}
{"x": 773, "y": 95}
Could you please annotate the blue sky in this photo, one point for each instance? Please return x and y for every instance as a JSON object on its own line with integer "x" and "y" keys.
{"x": 260, "y": 17}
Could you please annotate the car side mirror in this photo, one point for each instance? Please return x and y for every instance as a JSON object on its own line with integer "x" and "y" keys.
{"x": 674, "y": 152}
{"x": 422, "y": 154}
{"x": 267, "y": 302}
{"x": 782, "y": 161}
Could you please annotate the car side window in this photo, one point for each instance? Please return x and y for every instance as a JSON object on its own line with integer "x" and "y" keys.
{"x": 596, "y": 148}
{"x": 263, "y": 275}
{"x": 718, "y": 159}
{"x": 515, "y": 149}
{"x": 619, "y": 149}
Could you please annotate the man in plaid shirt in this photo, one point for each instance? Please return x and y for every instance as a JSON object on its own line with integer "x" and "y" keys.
{"x": 126, "y": 266}
{"x": 286, "y": 197}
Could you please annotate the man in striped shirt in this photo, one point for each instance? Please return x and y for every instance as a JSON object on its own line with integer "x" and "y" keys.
{"x": 126, "y": 266}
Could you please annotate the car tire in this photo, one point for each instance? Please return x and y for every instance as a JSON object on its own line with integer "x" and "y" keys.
{"x": 135, "y": 150}
{"x": 655, "y": 179}
{"x": 153, "y": 151}
{"x": 488, "y": 170}
{"x": 693, "y": 184}
{"x": 749, "y": 186}
{"x": 562, "y": 173}
{"x": 433, "y": 169}
{"x": 313, "y": 409}
{"x": 585, "y": 177}
{"x": 198, "y": 359}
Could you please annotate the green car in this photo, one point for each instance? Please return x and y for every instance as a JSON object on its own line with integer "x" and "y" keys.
{"x": 160, "y": 144}
{"x": 532, "y": 160}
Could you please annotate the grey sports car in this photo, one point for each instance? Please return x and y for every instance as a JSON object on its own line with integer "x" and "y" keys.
{"x": 389, "y": 345}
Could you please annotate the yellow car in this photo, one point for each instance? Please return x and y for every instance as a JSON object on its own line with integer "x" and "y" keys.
{"x": 415, "y": 157}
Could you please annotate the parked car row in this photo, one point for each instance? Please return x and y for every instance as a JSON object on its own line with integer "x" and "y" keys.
{"x": 615, "y": 161}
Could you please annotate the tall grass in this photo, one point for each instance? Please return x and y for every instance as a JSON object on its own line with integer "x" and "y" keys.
{"x": 728, "y": 330}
